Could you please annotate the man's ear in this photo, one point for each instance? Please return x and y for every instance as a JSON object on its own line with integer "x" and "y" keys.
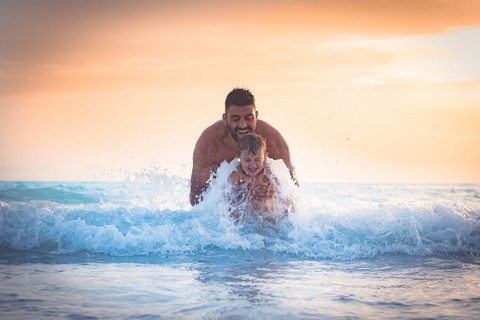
{"x": 256, "y": 114}
{"x": 224, "y": 118}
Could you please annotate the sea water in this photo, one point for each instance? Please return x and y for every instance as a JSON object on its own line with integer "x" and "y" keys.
{"x": 136, "y": 249}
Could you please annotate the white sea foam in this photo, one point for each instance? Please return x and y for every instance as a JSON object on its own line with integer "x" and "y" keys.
{"x": 150, "y": 215}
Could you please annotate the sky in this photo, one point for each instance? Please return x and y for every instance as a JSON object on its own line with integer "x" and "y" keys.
{"x": 363, "y": 91}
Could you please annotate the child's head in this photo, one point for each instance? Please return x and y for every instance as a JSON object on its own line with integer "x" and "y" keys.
{"x": 252, "y": 152}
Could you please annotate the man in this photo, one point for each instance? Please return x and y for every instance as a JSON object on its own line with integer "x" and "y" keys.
{"x": 218, "y": 142}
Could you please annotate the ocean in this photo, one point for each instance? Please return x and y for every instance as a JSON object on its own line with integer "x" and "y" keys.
{"x": 136, "y": 249}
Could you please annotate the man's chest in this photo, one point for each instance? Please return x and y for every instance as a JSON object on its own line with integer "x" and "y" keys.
{"x": 220, "y": 154}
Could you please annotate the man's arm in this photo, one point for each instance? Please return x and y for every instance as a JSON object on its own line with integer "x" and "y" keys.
{"x": 277, "y": 147}
{"x": 198, "y": 184}
{"x": 284, "y": 154}
{"x": 201, "y": 170}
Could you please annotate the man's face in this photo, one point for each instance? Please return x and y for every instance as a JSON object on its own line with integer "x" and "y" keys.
{"x": 240, "y": 121}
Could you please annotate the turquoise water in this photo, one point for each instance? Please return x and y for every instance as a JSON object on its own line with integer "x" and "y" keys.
{"x": 137, "y": 250}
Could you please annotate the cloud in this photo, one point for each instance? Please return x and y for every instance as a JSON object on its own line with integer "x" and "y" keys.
{"x": 42, "y": 42}
{"x": 447, "y": 57}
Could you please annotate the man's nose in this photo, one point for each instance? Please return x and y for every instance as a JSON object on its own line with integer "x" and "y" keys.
{"x": 242, "y": 123}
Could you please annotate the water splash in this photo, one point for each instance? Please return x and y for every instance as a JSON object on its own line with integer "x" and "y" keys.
{"x": 149, "y": 214}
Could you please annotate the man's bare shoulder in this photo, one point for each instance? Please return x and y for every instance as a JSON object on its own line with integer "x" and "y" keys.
{"x": 277, "y": 147}
{"x": 216, "y": 129}
{"x": 266, "y": 130}
{"x": 211, "y": 136}
{"x": 206, "y": 143}
{"x": 211, "y": 147}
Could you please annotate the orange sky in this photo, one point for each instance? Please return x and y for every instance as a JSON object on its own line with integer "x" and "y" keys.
{"x": 363, "y": 91}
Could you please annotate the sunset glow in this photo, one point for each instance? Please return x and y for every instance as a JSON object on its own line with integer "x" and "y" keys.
{"x": 363, "y": 91}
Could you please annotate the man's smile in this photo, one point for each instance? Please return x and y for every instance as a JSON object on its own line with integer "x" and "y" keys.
{"x": 243, "y": 131}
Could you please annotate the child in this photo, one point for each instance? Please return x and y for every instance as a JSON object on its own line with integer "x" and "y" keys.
{"x": 252, "y": 175}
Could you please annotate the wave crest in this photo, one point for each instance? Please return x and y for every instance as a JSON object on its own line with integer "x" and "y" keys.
{"x": 128, "y": 219}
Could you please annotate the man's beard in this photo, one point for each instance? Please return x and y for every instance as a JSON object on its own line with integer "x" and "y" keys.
{"x": 234, "y": 133}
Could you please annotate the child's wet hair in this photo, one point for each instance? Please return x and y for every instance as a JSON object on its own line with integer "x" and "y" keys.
{"x": 251, "y": 142}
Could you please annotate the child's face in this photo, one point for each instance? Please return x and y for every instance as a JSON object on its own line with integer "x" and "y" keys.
{"x": 251, "y": 163}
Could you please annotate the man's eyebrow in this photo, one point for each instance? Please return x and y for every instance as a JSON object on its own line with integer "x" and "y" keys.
{"x": 236, "y": 116}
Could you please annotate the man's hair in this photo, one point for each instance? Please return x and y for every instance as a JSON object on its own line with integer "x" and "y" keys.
{"x": 239, "y": 97}
{"x": 251, "y": 142}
